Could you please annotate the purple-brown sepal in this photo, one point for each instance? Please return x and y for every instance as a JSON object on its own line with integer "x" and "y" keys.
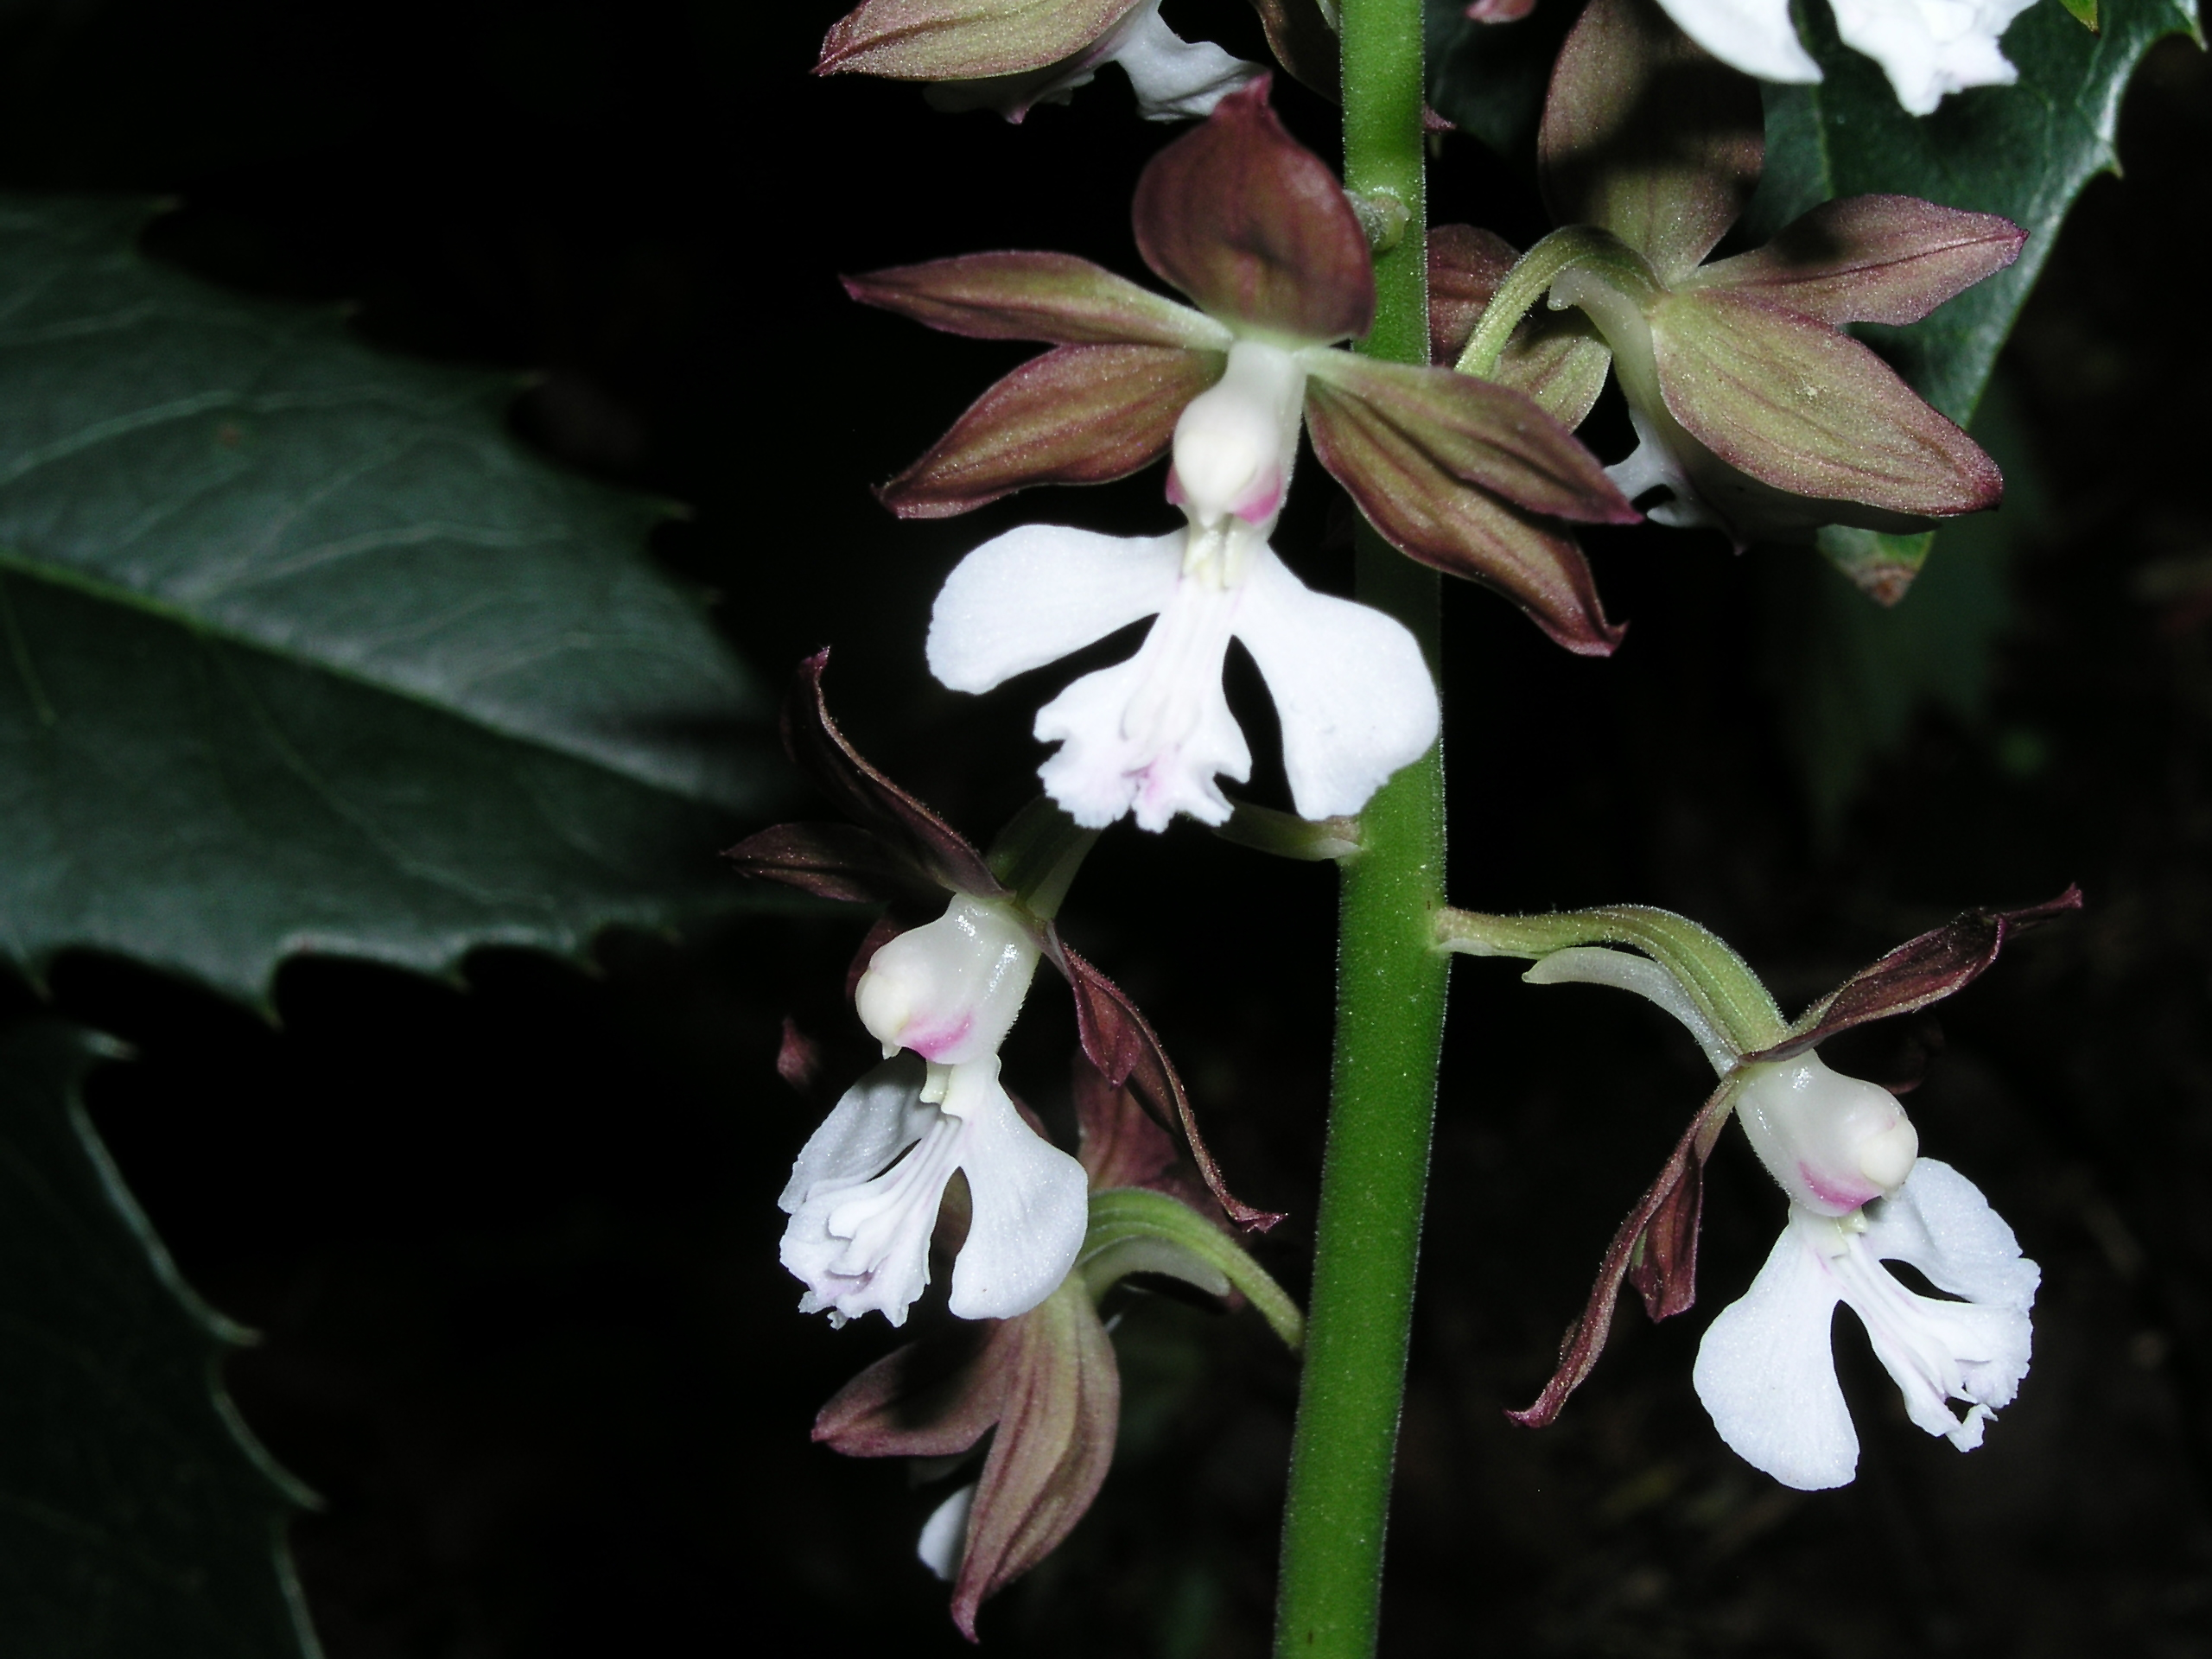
{"x": 1939, "y": 964}
{"x": 1255, "y": 227}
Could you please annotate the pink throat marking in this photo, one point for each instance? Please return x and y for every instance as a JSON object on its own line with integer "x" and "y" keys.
{"x": 932, "y": 1041}
{"x": 1845, "y": 1199}
{"x": 1266, "y": 496}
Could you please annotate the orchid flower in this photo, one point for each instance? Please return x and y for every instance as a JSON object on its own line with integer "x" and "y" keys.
{"x": 1150, "y": 735}
{"x": 1847, "y": 1158}
{"x": 1927, "y": 48}
{"x": 1452, "y": 470}
{"x": 863, "y": 1195}
{"x": 940, "y": 997}
{"x": 1044, "y": 1384}
{"x": 1754, "y": 411}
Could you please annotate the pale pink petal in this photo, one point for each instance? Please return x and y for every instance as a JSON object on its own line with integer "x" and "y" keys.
{"x": 1175, "y": 80}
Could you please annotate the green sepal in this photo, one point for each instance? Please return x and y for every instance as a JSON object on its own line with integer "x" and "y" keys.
{"x": 1135, "y": 1229}
{"x": 1806, "y": 409}
{"x": 1721, "y": 983}
{"x": 2084, "y": 12}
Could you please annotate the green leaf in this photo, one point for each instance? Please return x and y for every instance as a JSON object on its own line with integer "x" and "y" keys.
{"x": 1489, "y": 78}
{"x": 137, "y": 1517}
{"x": 300, "y": 650}
{"x": 1850, "y": 678}
{"x": 2025, "y": 151}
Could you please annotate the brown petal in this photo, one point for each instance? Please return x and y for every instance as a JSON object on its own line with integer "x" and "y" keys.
{"x": 1647, "y": 136}
{"x": 1078, "y": 415}
{"x": 1927, "y": 970}
{"x": 1119, "y": 1144}
{"x": 1123, "y": 1047}
{"x": 1430, "y": 516}
{"x": 1255, "y": 228}
{"x": 1480, "y": 433}
{"x": 830, "y": 860}
{"x": 798, "y": 1058}
{"x": 934, "y": 1398}
{"x": 1798, "y": 406}
{"x": 1117, "y": 1141}
{"x": 1655, "y": 1247}
{"x": 1870, "y": 259}
{"x": 1465, "y": 265}
{"x": 963, "y": 40}
{"x": 1055, "y": 1441}
{"x": 917, "y": 836}
{"x": 1051, "y": 296}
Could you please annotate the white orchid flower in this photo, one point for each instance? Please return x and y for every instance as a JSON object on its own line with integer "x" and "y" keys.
{"x": 1848, "y": 1158}
{"x": 864, "y": 1193}
{"x": 1151, "y": 735}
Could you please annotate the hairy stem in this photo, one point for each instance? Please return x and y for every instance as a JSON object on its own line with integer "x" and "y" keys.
{"x": 1390, "y": 988}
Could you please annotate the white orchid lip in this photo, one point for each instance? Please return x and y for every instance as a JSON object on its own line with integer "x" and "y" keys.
{"x": 865, "y": 1190}
{"x": 1766, "y": 1369}
{"x": 949, "y": 990}
{"x": 1152, "y": 735}
{"x": 1834, "y": 1142}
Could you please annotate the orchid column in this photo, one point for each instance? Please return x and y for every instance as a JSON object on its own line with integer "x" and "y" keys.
{"x": 1390, "y": 988}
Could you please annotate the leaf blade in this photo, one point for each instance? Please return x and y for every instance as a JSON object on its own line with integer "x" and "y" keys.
{"x": 140, "y": 1517}
{"x": 300, "y": 650}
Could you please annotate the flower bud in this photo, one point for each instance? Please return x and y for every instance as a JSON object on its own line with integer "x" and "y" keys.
{"x": 1235, "y": 442}
{"x": 949, "y": 990}
{"x": 1834, "y": 1142}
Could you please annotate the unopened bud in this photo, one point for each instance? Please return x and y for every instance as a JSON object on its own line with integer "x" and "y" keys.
{"x": 949, "y": 990}
{"x": 1834, "y": 1142}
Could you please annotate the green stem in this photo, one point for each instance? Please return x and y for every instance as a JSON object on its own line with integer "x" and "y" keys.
{"x": 1390, "y": 988}
{"x": 1533, "y": 274}
{"x": 1722, "y": 985}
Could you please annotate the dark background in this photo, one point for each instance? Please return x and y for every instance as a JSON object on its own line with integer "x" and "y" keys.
{"x": 511, "y": 1242}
